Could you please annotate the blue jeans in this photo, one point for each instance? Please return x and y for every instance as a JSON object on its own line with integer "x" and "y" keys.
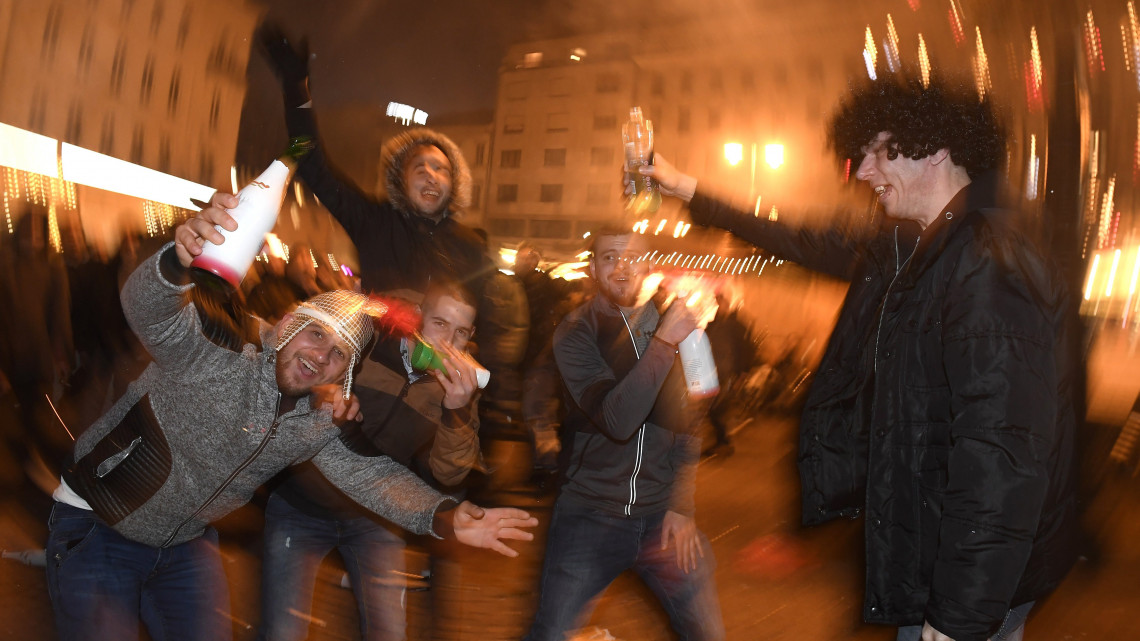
{"x": 1012, "y": 628}
{"x": 102, "y": 584}
{"x": 295, "y": 545}
{"x": 587, "y": 549}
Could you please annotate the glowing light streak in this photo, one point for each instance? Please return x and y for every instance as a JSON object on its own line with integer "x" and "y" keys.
{"x": 870, "y": 53}
{"x": 1094, "y": 52}
{"x": 685, "y": 229}
{"x": 981, "y": 67}
{"x": 1034, "y": 77}
{"x": 774, "y": 214}
{"x": 1112, "y": 273}
{"x": 891, "y": 46}
{"x": 923, "y": 61}
{"x": 660, "y": 226}
{"x": 1132, "y": 51}
{"x": 956, "y": 22}
{"x": 1032, "y": 172}
{"x": 1107, "y": 206}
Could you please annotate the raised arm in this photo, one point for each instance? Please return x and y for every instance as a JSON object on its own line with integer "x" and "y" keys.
{"x": 829, "y": 251}
{"x": 618, "y": 408}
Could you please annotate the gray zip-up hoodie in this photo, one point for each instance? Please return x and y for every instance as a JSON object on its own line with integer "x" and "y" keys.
{"x": 199, "y": 431}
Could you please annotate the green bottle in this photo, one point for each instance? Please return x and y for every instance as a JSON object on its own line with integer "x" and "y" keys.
{"x": 425, "y": 358}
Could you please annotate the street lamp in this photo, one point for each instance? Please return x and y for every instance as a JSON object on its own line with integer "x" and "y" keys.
{"x": 773, "y": 155}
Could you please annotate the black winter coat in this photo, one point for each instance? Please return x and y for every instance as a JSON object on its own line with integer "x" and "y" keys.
{"x": 945, "y": 407}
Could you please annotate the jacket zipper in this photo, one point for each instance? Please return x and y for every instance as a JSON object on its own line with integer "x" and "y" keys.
{"x": 640, "y": 432}
{"x": 883, "y": 307}
{"x": 272, "y": 434}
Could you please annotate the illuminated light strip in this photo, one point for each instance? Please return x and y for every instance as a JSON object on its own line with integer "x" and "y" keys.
{"x": 1112, "y": 273}
{"x": 923, "y": 61}
{"x": 1092, "y": 276}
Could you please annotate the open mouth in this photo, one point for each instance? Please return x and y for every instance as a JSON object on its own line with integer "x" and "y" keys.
{"x": 307, "y": 367}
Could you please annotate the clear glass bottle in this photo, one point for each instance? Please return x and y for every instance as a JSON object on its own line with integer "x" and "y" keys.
{"x": 637, "y": 136}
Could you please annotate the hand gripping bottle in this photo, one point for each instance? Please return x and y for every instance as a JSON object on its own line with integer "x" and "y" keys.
{"x": 698, "y": 364}
{"x": 637, "y": 134}
{"x": 256, "y": 214}
{"x": 425, "y": 358}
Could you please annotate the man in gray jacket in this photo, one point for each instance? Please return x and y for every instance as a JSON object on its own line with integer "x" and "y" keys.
{"x": 196, "y": 434}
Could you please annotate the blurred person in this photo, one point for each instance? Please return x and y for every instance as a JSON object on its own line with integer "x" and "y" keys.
{"x": 627, "y": 501}
{"x": 275, "y": 294}
{"x": 36, "y": 343}
{"x": 541, "y": 386}
{"x": 206, "y": 424}
{"x": 301, "y": 271}
{"x": 427, "y": 423}
{"x": 734, "y": 352}
{"x": 409, "y": 236}
{"x": 504, "y": 323}
{"x": 945, "y": 405}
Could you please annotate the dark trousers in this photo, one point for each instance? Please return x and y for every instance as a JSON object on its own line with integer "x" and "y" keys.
{"x": 587, "y": 549}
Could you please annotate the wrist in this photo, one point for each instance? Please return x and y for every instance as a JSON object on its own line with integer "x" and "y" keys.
{"x": 443, "y": 521}
{"x": 686, "y": 188}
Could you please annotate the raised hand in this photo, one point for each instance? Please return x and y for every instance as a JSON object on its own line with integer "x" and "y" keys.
{"x": 487, "y": 528}
{"x": 192, "y": 234}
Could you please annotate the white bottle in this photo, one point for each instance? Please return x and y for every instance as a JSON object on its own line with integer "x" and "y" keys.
{"x": 256, "y": 214}
{"x": 698, "y": 364}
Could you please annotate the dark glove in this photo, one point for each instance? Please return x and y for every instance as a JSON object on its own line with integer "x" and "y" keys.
{"x": 290, "y": 62}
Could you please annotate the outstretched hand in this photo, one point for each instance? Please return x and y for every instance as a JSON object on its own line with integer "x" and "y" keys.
{"x": 488, "y": 527}
{"x": 192, "y": 234}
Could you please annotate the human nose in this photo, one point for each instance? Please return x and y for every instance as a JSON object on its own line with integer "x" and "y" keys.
{"x": 866, "y": 168}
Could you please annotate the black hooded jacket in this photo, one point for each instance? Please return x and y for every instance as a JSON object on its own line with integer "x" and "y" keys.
{"x": 398, "y": 248}
{"x": 945, "y": 408}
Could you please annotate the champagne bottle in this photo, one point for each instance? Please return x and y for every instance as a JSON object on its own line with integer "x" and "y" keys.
{"x": 425, "y": 358}
{"x": 259, "y": 202}
{"x": 637, "y": 134}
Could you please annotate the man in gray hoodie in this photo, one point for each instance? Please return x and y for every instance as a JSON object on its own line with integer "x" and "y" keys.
{"x": 196, "y": 434}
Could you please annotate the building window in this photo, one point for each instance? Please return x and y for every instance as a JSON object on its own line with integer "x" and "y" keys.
{"x": 601, "y": 156}
{"x": 598, "y": 193}
{"x": 605, "y": 122}
{"x": 480, "y": 153}
{"x": 716, "y": 81}
{"x": 657, "y": 85}
{"x": 206, "y": 167}
{"x": 118, "y": 66}
{"x": 558, "y": 122}
{"x": 686, "y": 82}
{"x": 37, "y": 111}
{"x": 554, "y": 158}
{"x": 74, "y": 123}
{"x": 183, "y": 28}
{"x": 608, "y": 83}
{"x": 156, "y": 17}
{"x": 748, "y": 80}
{"x": 51, "y": 33}
{"x": 510, "y": 158}
{"x": 554, "y": 229}
{"x": 513, "y": 124}
{"x": 476, "y": 195}
{"x": 137, "y": 145}
{"x": 175, "y": 90}
{"x": 508, "y": 193}
{"x": 532, "y": 59}
{"x": 215, "y": 110}
{"x": 550, "y": 193}
{"x": 684, "y": 119}
{"x": 559, "y": 87}
{"x": 107, "y": 135}
{"x": 86, "y": 48}
{"x": 515, "y": 227}
{"x": 516, "y": 90}
{"x": 147, "y": 83}
{"x": 164, "y": 154}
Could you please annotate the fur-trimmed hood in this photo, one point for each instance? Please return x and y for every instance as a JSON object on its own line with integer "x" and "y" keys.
{"x": 395, "y": 152}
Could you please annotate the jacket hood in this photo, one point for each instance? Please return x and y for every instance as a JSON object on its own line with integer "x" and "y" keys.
{"x": 395, "y": 152}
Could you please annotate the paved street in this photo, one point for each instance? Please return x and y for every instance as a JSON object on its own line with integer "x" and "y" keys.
{"x": 776, "y": 580}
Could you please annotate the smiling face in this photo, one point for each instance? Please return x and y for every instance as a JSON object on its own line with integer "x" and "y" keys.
{"x": 904, "y": 185}
{"x": 447, "y": 320}
{"x": 315, "y": 356}
{"x": 427, "y": 179}
{"x": 617, "y": 268}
